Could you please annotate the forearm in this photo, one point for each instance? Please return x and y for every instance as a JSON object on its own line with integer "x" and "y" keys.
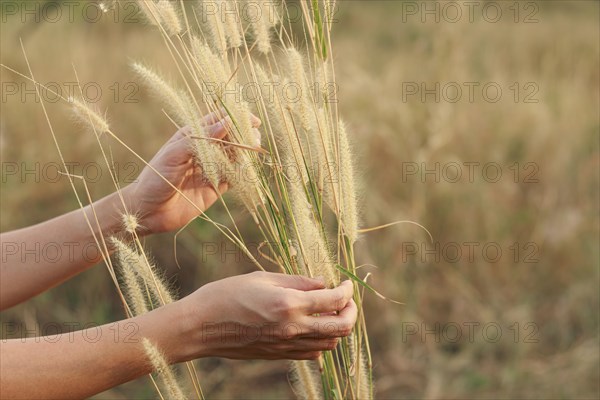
{"x": 82, "y": 363}
{"x": 42, "y": 256}
{"x": 244, "y": 317}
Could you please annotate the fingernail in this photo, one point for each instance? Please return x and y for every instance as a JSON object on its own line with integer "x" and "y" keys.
{"x": 257, "y": 137}
{"x": 255, "y": 120}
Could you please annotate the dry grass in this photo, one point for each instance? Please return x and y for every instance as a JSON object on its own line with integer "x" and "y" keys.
{"x": 559, "y": 213}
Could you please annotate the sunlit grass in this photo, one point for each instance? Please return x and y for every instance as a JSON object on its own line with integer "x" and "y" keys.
{"x": 559, "y": 134}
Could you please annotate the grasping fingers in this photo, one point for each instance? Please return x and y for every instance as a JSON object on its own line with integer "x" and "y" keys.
{"x": 328, "y": 300}
{"x": 334, "y": 326}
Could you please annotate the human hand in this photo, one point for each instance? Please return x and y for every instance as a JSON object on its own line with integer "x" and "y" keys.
{"x": 159, "y": 205}
{"x": 265, "y": 315}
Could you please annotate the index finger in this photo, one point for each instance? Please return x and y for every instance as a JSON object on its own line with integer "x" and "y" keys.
{"x": 333, "y": 326}
{"x": 217, "y": 115}
{"x": 214, "y": 117}
{"x": 328, "y": 300}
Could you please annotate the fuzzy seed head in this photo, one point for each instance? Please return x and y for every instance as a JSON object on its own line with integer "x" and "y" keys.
{"x": 348, "y": 196}
{"x": 206, "y": 156}
{"x": 262, "y": 23}
{"x": 214, "y": 26}
{"x": 136, "y": 297}
{"x": 243, "y": 174}
{"x": 175, "y": 99}
{"x": 169, "y": 17}
{"x": 163, "y": 13}
{"x": 306, "y": 381}
{"x": 181, "y": 106}
{"x": 298, "y": 76}
{"x": 365, "y": 390}
{"x": 231, "y": 27}
{"x": 313, "y": 245}
{"x": 289, "y": 148}
{"x": 144, "y": 270}
{"x": 164, "y": 371}
{"x": 130, "y": 222}
{"x": 149, "y": 11}
{"x": 211, "y": 68}
{"x": 88, "y": 116}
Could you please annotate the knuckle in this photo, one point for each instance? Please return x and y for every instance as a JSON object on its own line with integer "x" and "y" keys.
{"x": 285, "y": 306}
{"x": 339, "y": 300}
{"x": 299, "y": 278}
{"x": 313, "y": 355}
{"x": 278, "y": 335}
{"x": 312, "y": 303}
{"x": 281, "y": 347}
{"x": 291, "y": 331}
{"x": 345, "y": 329}
{"x": 282, "y": 307}
{"x": 331, "y": 344}
{"x": 346, "y": 332}
{"x": 257, "y": 274}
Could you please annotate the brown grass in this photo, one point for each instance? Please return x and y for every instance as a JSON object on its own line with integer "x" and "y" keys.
{"x": 559, "y": 213}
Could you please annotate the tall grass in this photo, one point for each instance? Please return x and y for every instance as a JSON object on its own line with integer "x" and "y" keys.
{"x": 297, "y": 185}
{"x": 559, "y": 213}
{"x": 299, "y": 188}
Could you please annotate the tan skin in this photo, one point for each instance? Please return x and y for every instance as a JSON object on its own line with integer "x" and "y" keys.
{"x": 254, "y": 316}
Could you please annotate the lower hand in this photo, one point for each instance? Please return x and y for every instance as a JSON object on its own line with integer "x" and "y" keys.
{"x": 267, "y": 316}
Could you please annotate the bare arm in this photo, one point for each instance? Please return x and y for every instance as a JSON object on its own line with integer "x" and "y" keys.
{"x": 82, "y": 363}
{"x": 258, "y": 315}
{"x": 37, "y": 258}
{"x": 42, "y": 256}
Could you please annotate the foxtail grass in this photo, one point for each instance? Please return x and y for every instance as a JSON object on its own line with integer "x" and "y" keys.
{"x": 164, "y": 371}
{"x": 297, "y": 183}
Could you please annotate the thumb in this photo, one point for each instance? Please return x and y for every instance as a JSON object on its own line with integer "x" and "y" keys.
{"x": 218, "y": 130}
{"x": 300, "y": 282}
{"x": 176, "y": 151}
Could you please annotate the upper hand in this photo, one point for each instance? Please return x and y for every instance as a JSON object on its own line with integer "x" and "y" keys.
{"x": 163, "y": 206}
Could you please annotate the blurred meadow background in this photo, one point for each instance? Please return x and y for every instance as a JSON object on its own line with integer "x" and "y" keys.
{"x": 503, "y": 304}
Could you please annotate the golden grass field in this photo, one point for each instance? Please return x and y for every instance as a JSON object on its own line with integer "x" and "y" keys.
{"x": 503, "y": 305}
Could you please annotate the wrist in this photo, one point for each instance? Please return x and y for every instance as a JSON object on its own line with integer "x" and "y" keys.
{"x": 101, "y": 218}
{"x": 135, "y": 206}
{"x": 193, "y": 322}
{"x": 170, "y": 329}
{"x": 124, "y": 204}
